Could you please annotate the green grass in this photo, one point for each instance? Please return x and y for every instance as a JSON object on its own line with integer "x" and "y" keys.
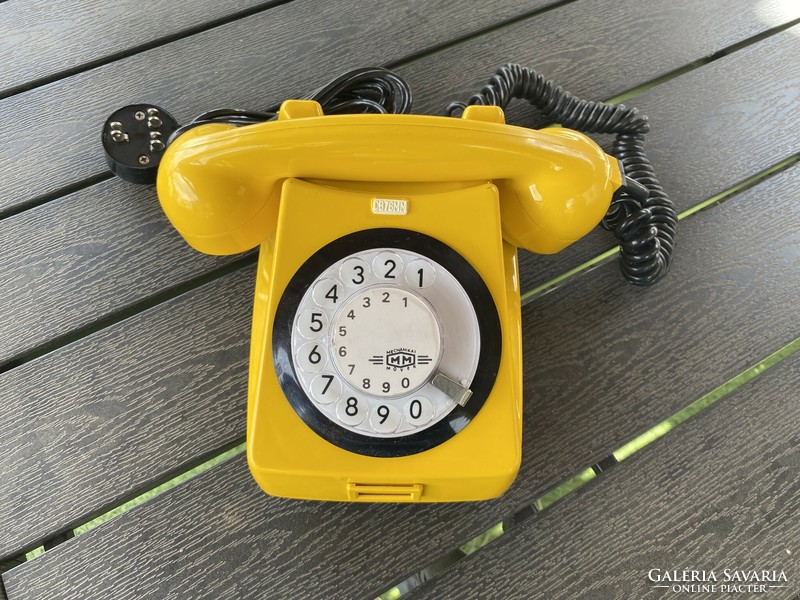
{"x": 34, "y": 553}
{"x": 118, "y": 510}
{"x": 560, "y": 491}
{"x": 480, "y": 540}
{"x": 557, "y": 281}
{"x": 746, "y": 183}
{"x": 704, "y": 402}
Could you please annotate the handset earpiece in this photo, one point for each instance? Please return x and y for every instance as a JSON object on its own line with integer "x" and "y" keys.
{"x": 216, "y": 209}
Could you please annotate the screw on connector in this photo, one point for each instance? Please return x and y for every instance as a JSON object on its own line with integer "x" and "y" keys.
{"x": 133, "y": 138}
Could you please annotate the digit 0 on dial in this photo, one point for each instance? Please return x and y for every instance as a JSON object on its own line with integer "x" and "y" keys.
{"x": 384, "y": 342}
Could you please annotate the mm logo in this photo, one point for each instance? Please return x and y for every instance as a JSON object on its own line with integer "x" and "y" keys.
{"x": 401, "y": 359}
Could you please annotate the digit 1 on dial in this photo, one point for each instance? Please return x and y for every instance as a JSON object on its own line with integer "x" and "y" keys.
{"x": 420, "y": 273}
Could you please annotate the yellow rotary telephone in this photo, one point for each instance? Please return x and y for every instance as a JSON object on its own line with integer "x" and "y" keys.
{"x": 385, "y": 357}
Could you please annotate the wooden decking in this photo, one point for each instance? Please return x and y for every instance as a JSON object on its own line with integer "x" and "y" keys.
{"x": 123, "y": 353}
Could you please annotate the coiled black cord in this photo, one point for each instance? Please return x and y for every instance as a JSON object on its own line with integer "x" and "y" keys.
{"x": 645, "y": 227}
{"x": 365, "y": 90}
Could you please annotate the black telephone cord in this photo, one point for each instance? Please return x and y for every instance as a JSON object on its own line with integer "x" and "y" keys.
{"x": 644, "y": 227}
{"x": 364, "y": 90}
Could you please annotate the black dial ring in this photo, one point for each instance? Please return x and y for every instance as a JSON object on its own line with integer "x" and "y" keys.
{"x": 488, "y": 327}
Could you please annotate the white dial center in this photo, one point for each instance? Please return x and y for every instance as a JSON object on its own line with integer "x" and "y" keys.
{"x": 386, "y": 342}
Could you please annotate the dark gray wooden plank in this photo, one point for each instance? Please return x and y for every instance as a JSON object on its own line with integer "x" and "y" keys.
{"x": 86, "y": 427}
{"x": 594, "y": 378}
{"x": 84, "y": 256}
{"x": 594, "y": 50}
{"x": 41, "y": 39}
{"x": 112, "y": 262}
{"x": 718, "y": 492}
{"x": 54, "y": 131}
{"x": 245, "y": 562}
{"x": 741, "y": 114}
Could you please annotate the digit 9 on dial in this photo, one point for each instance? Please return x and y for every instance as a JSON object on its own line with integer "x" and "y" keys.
{"x": 385, "y": 342}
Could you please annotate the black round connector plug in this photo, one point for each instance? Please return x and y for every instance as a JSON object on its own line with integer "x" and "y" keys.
{"x": 134, "y": 139}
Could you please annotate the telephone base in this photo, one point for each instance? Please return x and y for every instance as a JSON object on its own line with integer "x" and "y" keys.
{"x": 481, "y": 456}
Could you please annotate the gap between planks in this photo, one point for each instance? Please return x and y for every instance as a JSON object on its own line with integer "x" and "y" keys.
{"x": 45, "y": 198}
{"x": 723, "y": 52}
{"x": 476, "y": 34}
{"x": 113, "y": 318}
{"x": 179, "y": 35}
{"x": 243, "y": 14}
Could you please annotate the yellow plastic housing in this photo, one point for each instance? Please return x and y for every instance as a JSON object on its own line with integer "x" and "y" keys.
{"x": 219, "y": 184}
{"x": 287, "y": 458}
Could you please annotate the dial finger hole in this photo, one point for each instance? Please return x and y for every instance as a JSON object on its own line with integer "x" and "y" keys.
{"x": 354, "y": 272}
{"x": 419, "y": 410}
{"x": 312, "y": 324}
{"x": 328, "y": 293}
{"x": 385, "y": 419}
{"x": 311, "y": 357}
{"x": 388, "y": 266}
{"x": 352, "y": 410}
{"x": 420, "y": 273}
{"x": 326, "y": 388}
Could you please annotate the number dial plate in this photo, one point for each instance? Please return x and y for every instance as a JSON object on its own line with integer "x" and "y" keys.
{"x": 376, "y": 322}
{"x": 360, "y": 332}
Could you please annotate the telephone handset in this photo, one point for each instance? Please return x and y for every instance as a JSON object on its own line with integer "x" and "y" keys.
{"x": 385, "y": 356}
